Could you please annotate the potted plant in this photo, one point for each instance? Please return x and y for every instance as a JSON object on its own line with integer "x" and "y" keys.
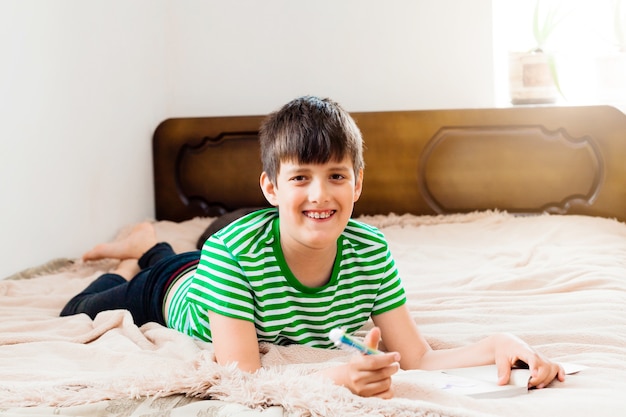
{"x": 532, "y": 74}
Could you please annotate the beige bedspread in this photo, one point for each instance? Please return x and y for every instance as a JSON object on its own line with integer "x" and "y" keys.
{"x": 559, "y": 282}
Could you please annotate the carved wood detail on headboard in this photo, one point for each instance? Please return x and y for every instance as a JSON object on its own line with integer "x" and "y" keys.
{"x": 206, "y": 166}
{"x": 481, "y": 167}
{"x": 223, "y": 181}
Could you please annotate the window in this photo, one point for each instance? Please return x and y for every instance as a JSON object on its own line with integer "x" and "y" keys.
{"x": 587, "y": 45}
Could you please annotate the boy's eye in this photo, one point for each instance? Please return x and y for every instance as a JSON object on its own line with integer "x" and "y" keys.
{"x": 298, "y": 178}
{"x": 337, "y": 177}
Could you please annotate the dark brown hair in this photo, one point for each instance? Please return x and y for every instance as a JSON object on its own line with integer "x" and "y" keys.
{"x": 309, "y": 130}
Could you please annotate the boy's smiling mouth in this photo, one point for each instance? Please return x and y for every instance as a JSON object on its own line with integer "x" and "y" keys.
{"x": 319, "y": 214}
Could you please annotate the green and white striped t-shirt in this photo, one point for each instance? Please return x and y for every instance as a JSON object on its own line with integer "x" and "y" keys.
{"x": 242, "y": 274}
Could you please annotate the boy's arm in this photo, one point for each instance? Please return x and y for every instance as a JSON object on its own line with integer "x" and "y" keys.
{"x": 400, "y": 333}
{"x": 235, "y": 340}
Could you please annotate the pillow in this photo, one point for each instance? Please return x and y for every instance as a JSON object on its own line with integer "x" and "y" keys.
{"x": 224, "y": 220}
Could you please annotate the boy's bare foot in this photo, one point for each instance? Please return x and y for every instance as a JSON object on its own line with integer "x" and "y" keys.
{"x": 141, "y": 238}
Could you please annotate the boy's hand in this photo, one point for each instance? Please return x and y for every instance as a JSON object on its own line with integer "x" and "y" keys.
{"x": 508, "y": 350}
{"x": 368, "y": 375}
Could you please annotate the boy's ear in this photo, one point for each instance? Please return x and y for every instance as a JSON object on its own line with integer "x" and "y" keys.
{"x": 358, "y": 185}
{"x": 269, "y": 189}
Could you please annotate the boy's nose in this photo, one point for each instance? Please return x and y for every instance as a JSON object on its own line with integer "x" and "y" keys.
{"x": 318, "y": 192}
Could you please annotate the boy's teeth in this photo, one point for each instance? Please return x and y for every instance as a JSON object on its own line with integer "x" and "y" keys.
{"x": 318, "y": 215}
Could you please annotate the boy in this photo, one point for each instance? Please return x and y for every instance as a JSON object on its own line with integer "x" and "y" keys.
{"x": 292, "y": 273}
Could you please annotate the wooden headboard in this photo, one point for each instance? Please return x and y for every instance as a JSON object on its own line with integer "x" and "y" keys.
{"x": 569, "y": 160}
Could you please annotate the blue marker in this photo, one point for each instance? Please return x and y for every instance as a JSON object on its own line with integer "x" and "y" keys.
{"x": 341, "y": 339}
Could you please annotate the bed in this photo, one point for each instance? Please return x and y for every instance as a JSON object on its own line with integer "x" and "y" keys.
{"x": 506, "y": 219}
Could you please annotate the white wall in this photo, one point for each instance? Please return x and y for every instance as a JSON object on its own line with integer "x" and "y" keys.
{"x": 83, "y": 84}
{"x": 249, "y": 56}
{"x": 80, "y": 94}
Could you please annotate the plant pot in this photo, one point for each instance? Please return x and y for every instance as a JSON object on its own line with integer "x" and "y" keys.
{"x": 530, "y": 78}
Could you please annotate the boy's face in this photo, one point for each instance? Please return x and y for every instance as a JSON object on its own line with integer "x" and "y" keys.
{"x": 315, "y": 201}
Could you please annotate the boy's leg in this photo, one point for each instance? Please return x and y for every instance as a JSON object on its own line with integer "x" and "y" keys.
{"x": 141, "y": 295}
{"x": 94, "y": 298}
{"x": 155, "y": 254}
{"x": 138, "y": 282}
{"x": 127, "y": 269}
{"x": 113, "y": 292}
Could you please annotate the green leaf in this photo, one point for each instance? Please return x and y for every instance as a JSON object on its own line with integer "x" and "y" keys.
{"x": 555, "y": 76}
{"x": 543, "y": 28}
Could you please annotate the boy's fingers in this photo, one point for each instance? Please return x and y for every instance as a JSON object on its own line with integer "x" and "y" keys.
{"x": 504, "y": 372}
{"x": 372, "y": 338}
